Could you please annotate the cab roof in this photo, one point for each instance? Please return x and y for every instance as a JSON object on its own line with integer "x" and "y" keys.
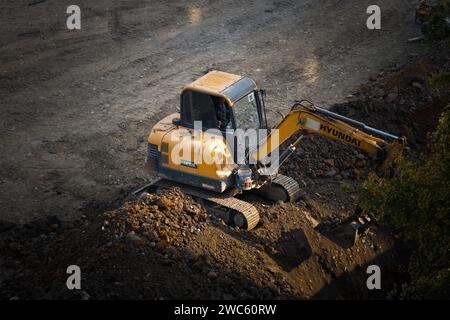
{"x": 229, "y": 86}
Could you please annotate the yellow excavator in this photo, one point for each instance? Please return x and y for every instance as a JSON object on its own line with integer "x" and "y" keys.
{"x": 217, "y": 111}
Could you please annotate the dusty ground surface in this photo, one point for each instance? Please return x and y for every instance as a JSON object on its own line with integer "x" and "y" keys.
{"x": 166, "y": 246}
{"x": 76, "y": 105}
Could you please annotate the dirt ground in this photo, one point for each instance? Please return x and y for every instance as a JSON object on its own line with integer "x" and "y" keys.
{"x": 166, "y": 246}
{"x": 76, "y": 105}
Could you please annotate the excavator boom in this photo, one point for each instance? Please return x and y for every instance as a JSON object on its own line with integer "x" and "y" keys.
{"x": 309, "y": 119}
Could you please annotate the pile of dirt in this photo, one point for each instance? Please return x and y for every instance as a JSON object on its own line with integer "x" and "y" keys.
{"x": 165, "y": 246}
{"x": 163, "y": 219}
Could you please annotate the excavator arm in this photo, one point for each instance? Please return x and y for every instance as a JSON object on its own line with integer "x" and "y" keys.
{"x": 307, "y": 118}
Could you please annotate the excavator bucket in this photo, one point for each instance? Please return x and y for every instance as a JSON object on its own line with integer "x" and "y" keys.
{"x": 394, "y": 153}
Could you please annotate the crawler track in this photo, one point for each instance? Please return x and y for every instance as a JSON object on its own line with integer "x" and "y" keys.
{"x": 281, "y": 188}
{"x": 290, "y": 186}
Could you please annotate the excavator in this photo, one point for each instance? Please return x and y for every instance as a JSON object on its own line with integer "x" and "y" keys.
{"x": 224, "y": 103}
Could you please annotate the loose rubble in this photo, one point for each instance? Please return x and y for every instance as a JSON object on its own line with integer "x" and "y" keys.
{"x": 163, "y": 219}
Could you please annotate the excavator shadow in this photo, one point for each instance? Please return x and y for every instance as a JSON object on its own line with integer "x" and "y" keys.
{"x": 292, "y": 249}
{"x": 344, "y": 234}
{"x": 288, "y": 251}
{"x": 352, "y": 285}
{"x": 348, "y": 231}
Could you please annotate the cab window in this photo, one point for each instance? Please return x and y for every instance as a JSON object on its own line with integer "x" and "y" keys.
{"x": 213, "y": 111}
{"x": 246, "y": 112}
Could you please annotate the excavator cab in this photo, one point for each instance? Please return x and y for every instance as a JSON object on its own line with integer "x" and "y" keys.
{"x": 222, "y": 101}
{"x": 211, "y": 105}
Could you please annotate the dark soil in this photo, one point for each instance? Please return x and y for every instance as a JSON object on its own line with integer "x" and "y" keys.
{"x": 166, "y": 246}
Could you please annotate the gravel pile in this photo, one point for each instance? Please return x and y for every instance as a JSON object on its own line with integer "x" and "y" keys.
{"x": 164, "y": 219}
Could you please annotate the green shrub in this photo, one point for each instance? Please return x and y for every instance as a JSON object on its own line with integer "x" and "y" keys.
{"x": 345, "y": 186}
{"x": 415, "y": 204}
{"x": 440, "y": 79}
{"x": 436, "y": 27}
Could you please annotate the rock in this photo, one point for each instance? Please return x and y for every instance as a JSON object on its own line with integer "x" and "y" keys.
{"x": 133, "y": 237}
{"x": 54, "y": 226}
{"x": 330, "y": 173}
{"x": 155, "y": 236}
{"x": 53, "y": 221}
{"x": 391, "y": 97}
{"x": 275, "y": 290}
{"x": 143, "y": 195}
{"x": 346, "y": 173}
{"x": 272, "y": 269}
{"x": 357, "y": 173}
{"x": 309, "y": 217}
{"x": 212, "y": 275}
{"x": 416, "y": 39}
{"x": 329, "y": 162}
{"x": 417, "y": 85}
{"x": 355, "y": 225}
{"x": 171, "y": 251}
{"x": 85, "y": 295}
